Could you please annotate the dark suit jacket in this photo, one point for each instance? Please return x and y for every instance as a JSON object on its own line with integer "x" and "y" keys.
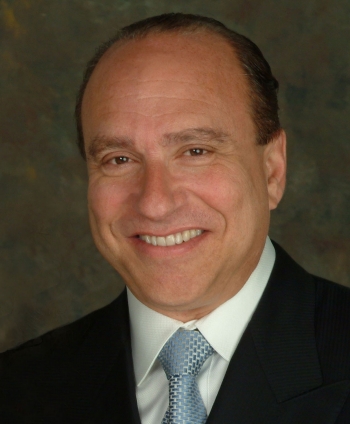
{"x": 291, "y": 366}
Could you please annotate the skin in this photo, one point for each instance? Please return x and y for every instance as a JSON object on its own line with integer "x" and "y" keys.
{"x": 171, "y": 146}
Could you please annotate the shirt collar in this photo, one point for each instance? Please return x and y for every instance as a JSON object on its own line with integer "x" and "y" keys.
{"x": 223, "y": 327}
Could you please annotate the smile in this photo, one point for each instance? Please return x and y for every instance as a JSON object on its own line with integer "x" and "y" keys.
{"x": 171, "y": 239}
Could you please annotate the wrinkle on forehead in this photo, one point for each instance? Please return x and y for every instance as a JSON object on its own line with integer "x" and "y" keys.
{"x": 126, "y": 94}
{"x": 162, "y": 97}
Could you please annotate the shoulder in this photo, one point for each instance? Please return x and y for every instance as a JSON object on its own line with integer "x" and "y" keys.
{"x": 326, "y": 303}
{"x": 58, "y": 373}
{"x": 332, "y": 327}
{"x": 65, "y": 339}
{"x": 332, "y": 297}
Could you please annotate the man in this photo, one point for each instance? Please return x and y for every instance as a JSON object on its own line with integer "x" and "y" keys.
{"x": 177, "y": 120}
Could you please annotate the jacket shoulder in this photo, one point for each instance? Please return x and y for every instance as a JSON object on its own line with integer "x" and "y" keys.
{"x": 332, "y": 328}
{"x": 62, "y": 340}
{"x": 56, "y": 377}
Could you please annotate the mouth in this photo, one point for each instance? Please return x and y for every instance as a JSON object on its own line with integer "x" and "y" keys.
{"x": 171, "y": 239}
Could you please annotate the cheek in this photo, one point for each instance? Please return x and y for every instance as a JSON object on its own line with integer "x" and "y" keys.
{"x": 222, "y": 189}
{"x": 105, "y": 201}
{"x": 237, "y": 193}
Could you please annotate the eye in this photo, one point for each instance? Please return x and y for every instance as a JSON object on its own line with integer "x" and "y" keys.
{"x": 196, "y": 152}
{"x": 119, "y": 160}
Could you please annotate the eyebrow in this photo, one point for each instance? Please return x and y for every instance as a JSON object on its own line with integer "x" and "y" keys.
{"x": 195, "y": 134}
{"x": 100, "y": 144}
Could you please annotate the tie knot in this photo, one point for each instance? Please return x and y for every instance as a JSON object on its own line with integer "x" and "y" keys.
{"x": 184, "y": 353}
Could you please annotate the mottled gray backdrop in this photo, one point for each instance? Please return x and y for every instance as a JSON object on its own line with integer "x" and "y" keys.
{"x": 50, "y": 271}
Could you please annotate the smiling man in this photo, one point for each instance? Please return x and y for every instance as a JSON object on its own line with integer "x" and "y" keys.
{"x": 177, "y": 120}
{"x": 172, "y": 148}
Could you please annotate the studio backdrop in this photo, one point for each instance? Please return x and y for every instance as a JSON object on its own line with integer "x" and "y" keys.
{"x": 50, "y": 271}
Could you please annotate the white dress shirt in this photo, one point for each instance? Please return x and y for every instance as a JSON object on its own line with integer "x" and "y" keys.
{"x": 223, "y": 328}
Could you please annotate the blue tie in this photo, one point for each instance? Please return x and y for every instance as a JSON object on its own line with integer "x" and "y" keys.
{"x": 182, "y": 358}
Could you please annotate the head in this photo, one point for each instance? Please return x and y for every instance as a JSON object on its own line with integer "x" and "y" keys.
{"x": 179, "y": 125}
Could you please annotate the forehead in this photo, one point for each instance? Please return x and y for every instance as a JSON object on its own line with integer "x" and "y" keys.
{"x": 196, "y": 72}
{"x": 199, "y": 50}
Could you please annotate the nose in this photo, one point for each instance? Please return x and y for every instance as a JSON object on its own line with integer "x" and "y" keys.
{"x": 156, "y": 199}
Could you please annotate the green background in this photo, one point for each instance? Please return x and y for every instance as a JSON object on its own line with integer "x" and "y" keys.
{"x": 50, "y": 271}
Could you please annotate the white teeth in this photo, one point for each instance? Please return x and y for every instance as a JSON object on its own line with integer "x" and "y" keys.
{"x": 161, "y": 241}
{"x": 186, "y": 235}
{"x": 172, "y": 239}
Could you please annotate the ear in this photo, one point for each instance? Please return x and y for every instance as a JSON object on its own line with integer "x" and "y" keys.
{"x": 275, "y": 168}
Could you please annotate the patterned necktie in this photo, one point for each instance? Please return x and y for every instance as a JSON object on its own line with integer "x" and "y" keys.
{"x": 182, "y": 358}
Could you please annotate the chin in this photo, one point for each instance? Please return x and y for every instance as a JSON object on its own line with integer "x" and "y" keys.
{"x": 175, "y": 299}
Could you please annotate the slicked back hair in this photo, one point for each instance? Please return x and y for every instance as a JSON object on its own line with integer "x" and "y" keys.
{"x": 262, "y": 85}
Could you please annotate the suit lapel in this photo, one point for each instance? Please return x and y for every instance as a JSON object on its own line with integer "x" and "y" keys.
{"x": 283, "y": 330}
{"x": 104, "y": 371}
{"x": 274, "y": 375}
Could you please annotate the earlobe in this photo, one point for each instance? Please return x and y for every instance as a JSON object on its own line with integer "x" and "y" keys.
{"x": 276, "y": 165}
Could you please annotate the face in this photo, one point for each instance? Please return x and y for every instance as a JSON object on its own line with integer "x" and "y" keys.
{"x": 179, "y": 191}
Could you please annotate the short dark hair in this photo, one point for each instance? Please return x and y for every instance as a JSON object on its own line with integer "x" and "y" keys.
{"x": 262, "y": 85}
